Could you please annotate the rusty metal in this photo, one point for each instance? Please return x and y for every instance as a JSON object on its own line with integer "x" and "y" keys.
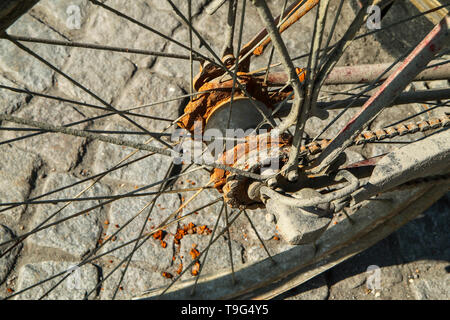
{"x": 200, "y": 108}
{"x": 251, "y": 156}
{"x": 368, "y": 73}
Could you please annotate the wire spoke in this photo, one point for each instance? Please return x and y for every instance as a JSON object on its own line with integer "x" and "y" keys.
{"x": 103, "y": 47}
{"x": 194, "y": 287}
{"x": 230, "y": 252}
{"x": 259, "y": 237}
{"x": 84, "y": 104}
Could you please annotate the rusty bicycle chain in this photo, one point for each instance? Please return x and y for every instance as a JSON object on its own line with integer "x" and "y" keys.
{"x": 382, "y": 134}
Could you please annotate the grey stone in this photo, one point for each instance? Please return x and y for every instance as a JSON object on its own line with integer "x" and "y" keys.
{"x": 24, "y": 68}
{"x": 207, "y": 216}
{"x": 135, "y": 282}
{"x": 10, "y": 101}
{"x": 180, "y": 72}
{"x": 107, "y": 28}
{"x": 432, "y": 284}
{"x": 78, "y": 235}
{"x": 79, "y": 283}
{"x": 16, "y": 170}
{"x": 67, "y": 16}
{"x": 141, "y": 173}
{"x": 197, "y": 5}
{"x": 218, "y": 258}
{"x": 147, "y": 88}
{"x": 59, "y": 150}
{"x": 151, "y": 253}
{"x": 103, "y": 73}
{"x": 7, "y": 261}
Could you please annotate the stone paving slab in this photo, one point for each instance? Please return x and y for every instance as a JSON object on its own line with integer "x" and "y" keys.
{"x": 151, "y": 253}
{"x": 60, "y": 151}
{"x": 78, "y": 235}
{"x": 142, "y": 173}
{"x": 102, "y": 72}
{"x": 77, "y": 285}
{"x": 7, "y": 262}
{"x": 106, "y": 28}
{"x": 67, "y": 16}
{"x": 13, "y": 60}
{"x": 17, "y": 168}
{"x": 146, "y": 88}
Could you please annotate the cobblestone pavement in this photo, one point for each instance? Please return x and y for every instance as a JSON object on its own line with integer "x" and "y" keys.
{"x": 414, "y": 261}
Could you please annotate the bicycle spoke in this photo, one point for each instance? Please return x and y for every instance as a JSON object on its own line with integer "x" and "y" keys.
{"x": 191, "y": 62}
{"x": 137, "y": 195}
{"x": 233, "y": 86}
{"x": 84, "y": 104}
{"x": 233, "y": 276}
{"x": 230, "y": 26}
{"x": 207, "y": 250}
{"x": 103, "y": 47}
{"x": 273, "y": 48}
{"x": 259, "y": 237}
{"x": 331, "y": 32}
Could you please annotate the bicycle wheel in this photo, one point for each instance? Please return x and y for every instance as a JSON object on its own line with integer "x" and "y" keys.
{"x": 94, "y": 92}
